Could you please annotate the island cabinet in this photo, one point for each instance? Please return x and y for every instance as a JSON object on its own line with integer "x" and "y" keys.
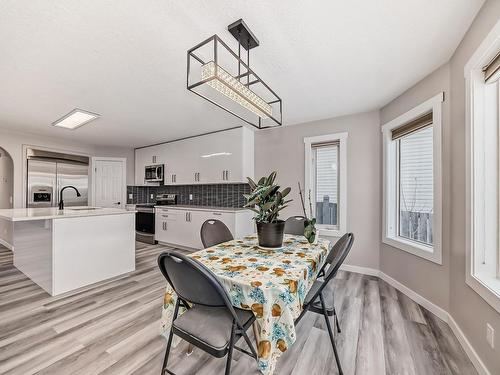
{"x": 181, "y": 226}
{"x": 222, "y": 157}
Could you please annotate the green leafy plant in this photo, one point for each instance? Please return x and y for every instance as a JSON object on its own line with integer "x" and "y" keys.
{"x": 310, "y": 222}
{"x": 266, "y": 199}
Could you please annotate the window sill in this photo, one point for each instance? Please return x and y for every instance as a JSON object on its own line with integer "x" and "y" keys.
{"x": 487, "y": 286}
{"x": 415, "y": 248}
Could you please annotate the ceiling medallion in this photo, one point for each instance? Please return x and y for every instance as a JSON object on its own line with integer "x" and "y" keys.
{"x": 218, "y": 74}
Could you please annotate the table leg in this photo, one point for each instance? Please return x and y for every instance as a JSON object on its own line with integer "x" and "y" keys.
{"x": 256, "y": 333}
{"x": 189, "y": 350}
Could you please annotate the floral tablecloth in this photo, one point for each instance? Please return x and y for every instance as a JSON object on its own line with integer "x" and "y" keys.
{"x": 271, "y": 283}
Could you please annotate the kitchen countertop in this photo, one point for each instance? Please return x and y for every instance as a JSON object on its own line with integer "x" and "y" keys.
{"x": 27, "y": 214}
{"x": 203, "y": 208}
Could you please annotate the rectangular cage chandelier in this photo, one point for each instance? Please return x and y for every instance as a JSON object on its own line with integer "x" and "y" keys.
{"x": 218, "y": 74}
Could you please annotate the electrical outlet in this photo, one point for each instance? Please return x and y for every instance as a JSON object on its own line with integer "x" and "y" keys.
{"x": 152, "y": 196}
{"x": 131, "y": 196}
{"x": 490, "y": 335}
{"x": 190, "y": 197}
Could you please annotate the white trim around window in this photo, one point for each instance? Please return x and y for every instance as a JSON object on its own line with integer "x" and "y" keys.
{"x": 390, "y": 191}
{"x": 482, "y": 271}
{"x": 342, "y": 176}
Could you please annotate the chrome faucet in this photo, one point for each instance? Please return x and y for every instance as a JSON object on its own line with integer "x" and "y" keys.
{"x": 61, "y": 202}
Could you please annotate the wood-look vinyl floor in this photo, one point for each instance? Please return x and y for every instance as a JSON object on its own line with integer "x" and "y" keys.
{"x": 113, "y": 328}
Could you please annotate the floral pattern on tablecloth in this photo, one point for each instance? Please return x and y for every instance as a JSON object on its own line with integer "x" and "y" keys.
{"x": 271, "y": 282}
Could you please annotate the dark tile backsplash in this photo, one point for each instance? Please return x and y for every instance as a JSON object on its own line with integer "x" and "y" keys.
{"x": 217, "y": 195}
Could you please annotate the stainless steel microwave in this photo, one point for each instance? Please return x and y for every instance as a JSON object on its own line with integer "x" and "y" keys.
{"x": 154, "y": 173}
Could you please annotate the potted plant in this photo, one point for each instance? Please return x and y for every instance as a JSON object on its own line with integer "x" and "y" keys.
{"x": 266, "y": 200}
{"x": 310, "y": 222}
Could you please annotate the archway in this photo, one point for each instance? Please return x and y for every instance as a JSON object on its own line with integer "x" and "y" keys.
{"x": 6, "y": 201}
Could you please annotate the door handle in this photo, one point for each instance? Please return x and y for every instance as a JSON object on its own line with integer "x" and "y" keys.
{"x": 118, "y": 203}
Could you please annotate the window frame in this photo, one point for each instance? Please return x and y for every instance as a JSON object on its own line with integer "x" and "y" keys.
{"x": 326, "y": 230}
{"x": 486, "y": 285}
{"x": 390, "y": 213}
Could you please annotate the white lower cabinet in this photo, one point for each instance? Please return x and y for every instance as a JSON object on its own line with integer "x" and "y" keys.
{"x": 181, "y": 226}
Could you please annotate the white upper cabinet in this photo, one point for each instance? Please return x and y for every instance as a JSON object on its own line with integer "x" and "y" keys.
{"x": 221, "y": 157}
{"x": 144, "y": 157}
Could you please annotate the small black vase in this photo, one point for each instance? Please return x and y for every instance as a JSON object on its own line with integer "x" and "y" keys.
{"x": 271, "y": 234}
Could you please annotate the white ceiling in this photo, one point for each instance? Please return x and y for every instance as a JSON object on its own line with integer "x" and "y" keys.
{"x": 126, "y": 59}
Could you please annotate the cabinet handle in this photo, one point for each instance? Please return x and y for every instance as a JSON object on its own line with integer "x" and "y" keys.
{"x": 216, "y": 213}
{"x": 223, "y": 175}
{"x": 227, "y": 175}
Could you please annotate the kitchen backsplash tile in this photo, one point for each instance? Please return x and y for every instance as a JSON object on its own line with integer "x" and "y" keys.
{"x": 217, "y": 195}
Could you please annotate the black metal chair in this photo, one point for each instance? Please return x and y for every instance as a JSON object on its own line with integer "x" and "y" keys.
{"x": 295, "y": 225}
{"x": 214, "y": 232}
{"x": 315, "y": 301}
{"x": 335, "y": 250}
{"x": 210, "y": 323}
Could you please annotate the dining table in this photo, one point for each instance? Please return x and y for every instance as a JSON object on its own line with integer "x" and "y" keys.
{"x": 272, "y": 283}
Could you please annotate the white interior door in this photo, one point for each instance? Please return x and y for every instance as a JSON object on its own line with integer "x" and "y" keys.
{"x": 109, "y": 182}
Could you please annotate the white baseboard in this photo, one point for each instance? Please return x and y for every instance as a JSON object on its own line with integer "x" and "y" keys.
{"x": 435, "y": 309}
{"x": 471, "y": 353}
{"x": 359, "y": 269}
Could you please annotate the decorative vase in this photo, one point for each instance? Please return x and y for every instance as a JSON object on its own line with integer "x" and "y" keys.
{"x": 271, "y": 234}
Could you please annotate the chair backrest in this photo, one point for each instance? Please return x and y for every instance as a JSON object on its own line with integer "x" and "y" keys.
{"x": 193, "y": 282}
{"x": 336, "y": 262}
{"x": 214, "y": 232}
{"x": 295, "y": 225}
{"x": 339, "y": 245}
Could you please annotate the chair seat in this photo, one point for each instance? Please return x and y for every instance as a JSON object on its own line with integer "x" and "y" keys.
{"x": 327, "y": 297}
{"x": 209, "y": 328}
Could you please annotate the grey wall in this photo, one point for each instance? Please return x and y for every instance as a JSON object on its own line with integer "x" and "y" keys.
{"x": 468, "y": 309}
{"x": 445, "y": 285}
{"x": 424, "y": 277}
{"x": 282, "y": 150}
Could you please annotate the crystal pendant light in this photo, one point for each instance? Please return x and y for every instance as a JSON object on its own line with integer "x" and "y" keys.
{"x": 231, "y": 87}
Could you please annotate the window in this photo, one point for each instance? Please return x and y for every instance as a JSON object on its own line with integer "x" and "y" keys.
{"x": 482, "y": 73}
{"x": 412, "y": 181}
{"x": 325, "y": 181}
{"x": 415, "y": 171}
{"x": 325, "y": 159}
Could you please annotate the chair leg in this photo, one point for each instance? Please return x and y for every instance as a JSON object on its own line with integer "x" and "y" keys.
{"x": 230, "y": 352}
{"x": 167, "y": 352}
{"x": 249, "y": 343}
{"x": 337, "y": 321}
{"x": 330, "y": 333}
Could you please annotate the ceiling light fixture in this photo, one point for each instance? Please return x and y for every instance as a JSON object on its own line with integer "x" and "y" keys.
{"x": 216, "y": 154}
{"x": 75, "y": 119}
{"x": 217, "y": 67}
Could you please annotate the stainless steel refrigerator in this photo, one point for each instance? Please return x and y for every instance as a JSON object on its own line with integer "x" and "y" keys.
{"x": 49, "y": 172}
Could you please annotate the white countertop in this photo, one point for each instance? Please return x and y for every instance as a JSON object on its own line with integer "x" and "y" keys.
{"x": 202, "y": 208}
{"x": 26, "y": 214}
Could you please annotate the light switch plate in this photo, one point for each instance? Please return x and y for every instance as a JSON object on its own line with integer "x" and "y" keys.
{"x": 190, "y": 197}
{"x": 151, "y": 196}
{"x": 131, "y": 196}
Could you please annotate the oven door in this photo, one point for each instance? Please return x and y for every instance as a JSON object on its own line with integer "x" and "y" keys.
{"x": 145, "y": 222}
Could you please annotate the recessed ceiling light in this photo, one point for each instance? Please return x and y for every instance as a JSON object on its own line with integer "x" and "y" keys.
{"x": 216, "y": 154}
{"x": 75, "y": 119}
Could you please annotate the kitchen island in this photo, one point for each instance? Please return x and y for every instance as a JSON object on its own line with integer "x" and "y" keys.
{"x": 62, "y": 250}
